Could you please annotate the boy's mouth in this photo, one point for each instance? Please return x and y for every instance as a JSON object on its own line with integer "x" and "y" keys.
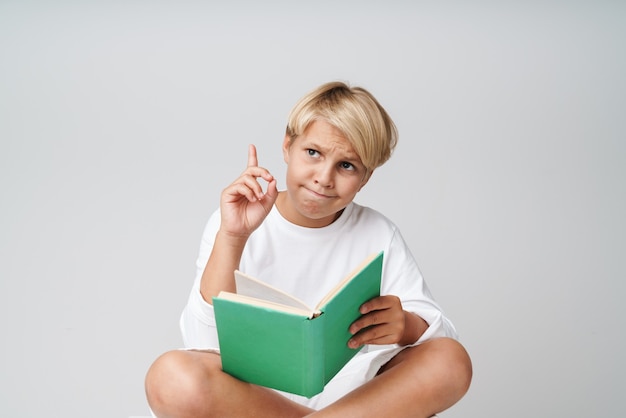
{"x": 319, "y": 195}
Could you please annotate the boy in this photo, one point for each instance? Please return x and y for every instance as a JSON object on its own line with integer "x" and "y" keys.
{"x": 411, "y": 364}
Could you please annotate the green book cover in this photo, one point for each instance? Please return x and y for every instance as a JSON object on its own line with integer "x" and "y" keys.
{"x": 272, "y": 339}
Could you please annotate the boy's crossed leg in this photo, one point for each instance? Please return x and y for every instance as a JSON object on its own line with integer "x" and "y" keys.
{"x": 418, "y": 382}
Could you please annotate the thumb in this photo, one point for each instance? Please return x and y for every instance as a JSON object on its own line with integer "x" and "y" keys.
{"x": 269, "y": 198}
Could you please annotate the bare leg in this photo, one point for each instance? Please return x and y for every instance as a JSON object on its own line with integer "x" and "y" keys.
{"x": 186, "y": 384}
{"x": 419, "y": 382}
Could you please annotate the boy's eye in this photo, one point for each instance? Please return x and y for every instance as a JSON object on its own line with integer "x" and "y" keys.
{"x": 347, "y": 166}
{"x": 312, "y": 152}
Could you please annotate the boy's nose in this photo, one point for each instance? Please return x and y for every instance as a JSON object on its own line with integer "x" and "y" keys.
{"x": 324, "y": 176}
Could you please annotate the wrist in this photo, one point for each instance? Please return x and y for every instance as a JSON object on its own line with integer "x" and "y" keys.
{"x": 414, "y": 328}
{"x": 231, "y": 239}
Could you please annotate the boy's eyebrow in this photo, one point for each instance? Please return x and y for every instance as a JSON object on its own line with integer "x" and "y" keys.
{"x": 347, "y": 155}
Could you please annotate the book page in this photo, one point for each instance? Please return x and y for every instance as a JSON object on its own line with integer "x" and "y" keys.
{"x": 252, "y": 301}
{"x": 346, "y": 280}
{"x": 250, "y": 286}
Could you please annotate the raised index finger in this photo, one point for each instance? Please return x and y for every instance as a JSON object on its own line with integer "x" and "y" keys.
{"x": 252, "y": 159}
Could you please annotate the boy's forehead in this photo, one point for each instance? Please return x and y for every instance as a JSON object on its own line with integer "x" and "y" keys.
{"x": 329, "y": 139}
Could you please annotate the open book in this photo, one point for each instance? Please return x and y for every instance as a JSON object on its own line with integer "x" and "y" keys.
{"x": 272, "y": 339}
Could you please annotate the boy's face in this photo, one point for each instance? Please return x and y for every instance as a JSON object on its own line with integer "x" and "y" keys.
{"x": 324, "y": 174}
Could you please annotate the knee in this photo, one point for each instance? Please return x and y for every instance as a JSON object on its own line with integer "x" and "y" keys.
{"x": 456, "y": 364}
{"x": 166, "y": 382}
{"x": 175, "y": 384}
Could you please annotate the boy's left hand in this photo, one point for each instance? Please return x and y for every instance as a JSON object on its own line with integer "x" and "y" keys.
{"x": 383, "y": 321}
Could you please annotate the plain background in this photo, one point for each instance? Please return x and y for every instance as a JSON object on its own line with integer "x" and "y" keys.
{"x": 121, "y": 122}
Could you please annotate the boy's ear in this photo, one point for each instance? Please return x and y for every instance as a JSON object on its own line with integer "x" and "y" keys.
{"x": 286, "y": 146}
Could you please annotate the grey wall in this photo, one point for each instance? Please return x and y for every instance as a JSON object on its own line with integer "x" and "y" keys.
{"x": 120, "y": 123}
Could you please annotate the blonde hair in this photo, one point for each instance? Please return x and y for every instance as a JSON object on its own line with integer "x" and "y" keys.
{"x": 354, "y": 112}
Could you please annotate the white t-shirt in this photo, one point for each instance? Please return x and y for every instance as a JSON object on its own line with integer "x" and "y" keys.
{"x": 307, "y": 263}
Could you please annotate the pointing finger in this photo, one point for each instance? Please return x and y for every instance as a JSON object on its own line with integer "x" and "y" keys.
{"x": 252, "y": 158}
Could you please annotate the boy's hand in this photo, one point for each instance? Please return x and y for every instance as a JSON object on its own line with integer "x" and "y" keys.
{"x": 383, "y": 321}
{"x": 243, "y": 204}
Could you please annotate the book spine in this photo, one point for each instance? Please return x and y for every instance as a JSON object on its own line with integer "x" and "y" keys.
{"x": 314, "y": 369}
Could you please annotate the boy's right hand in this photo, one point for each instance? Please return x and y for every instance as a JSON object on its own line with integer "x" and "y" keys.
{"x": 243, "y": 205}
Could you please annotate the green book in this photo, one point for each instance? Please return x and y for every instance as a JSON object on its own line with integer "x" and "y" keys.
{"x": 272, "y": 339}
